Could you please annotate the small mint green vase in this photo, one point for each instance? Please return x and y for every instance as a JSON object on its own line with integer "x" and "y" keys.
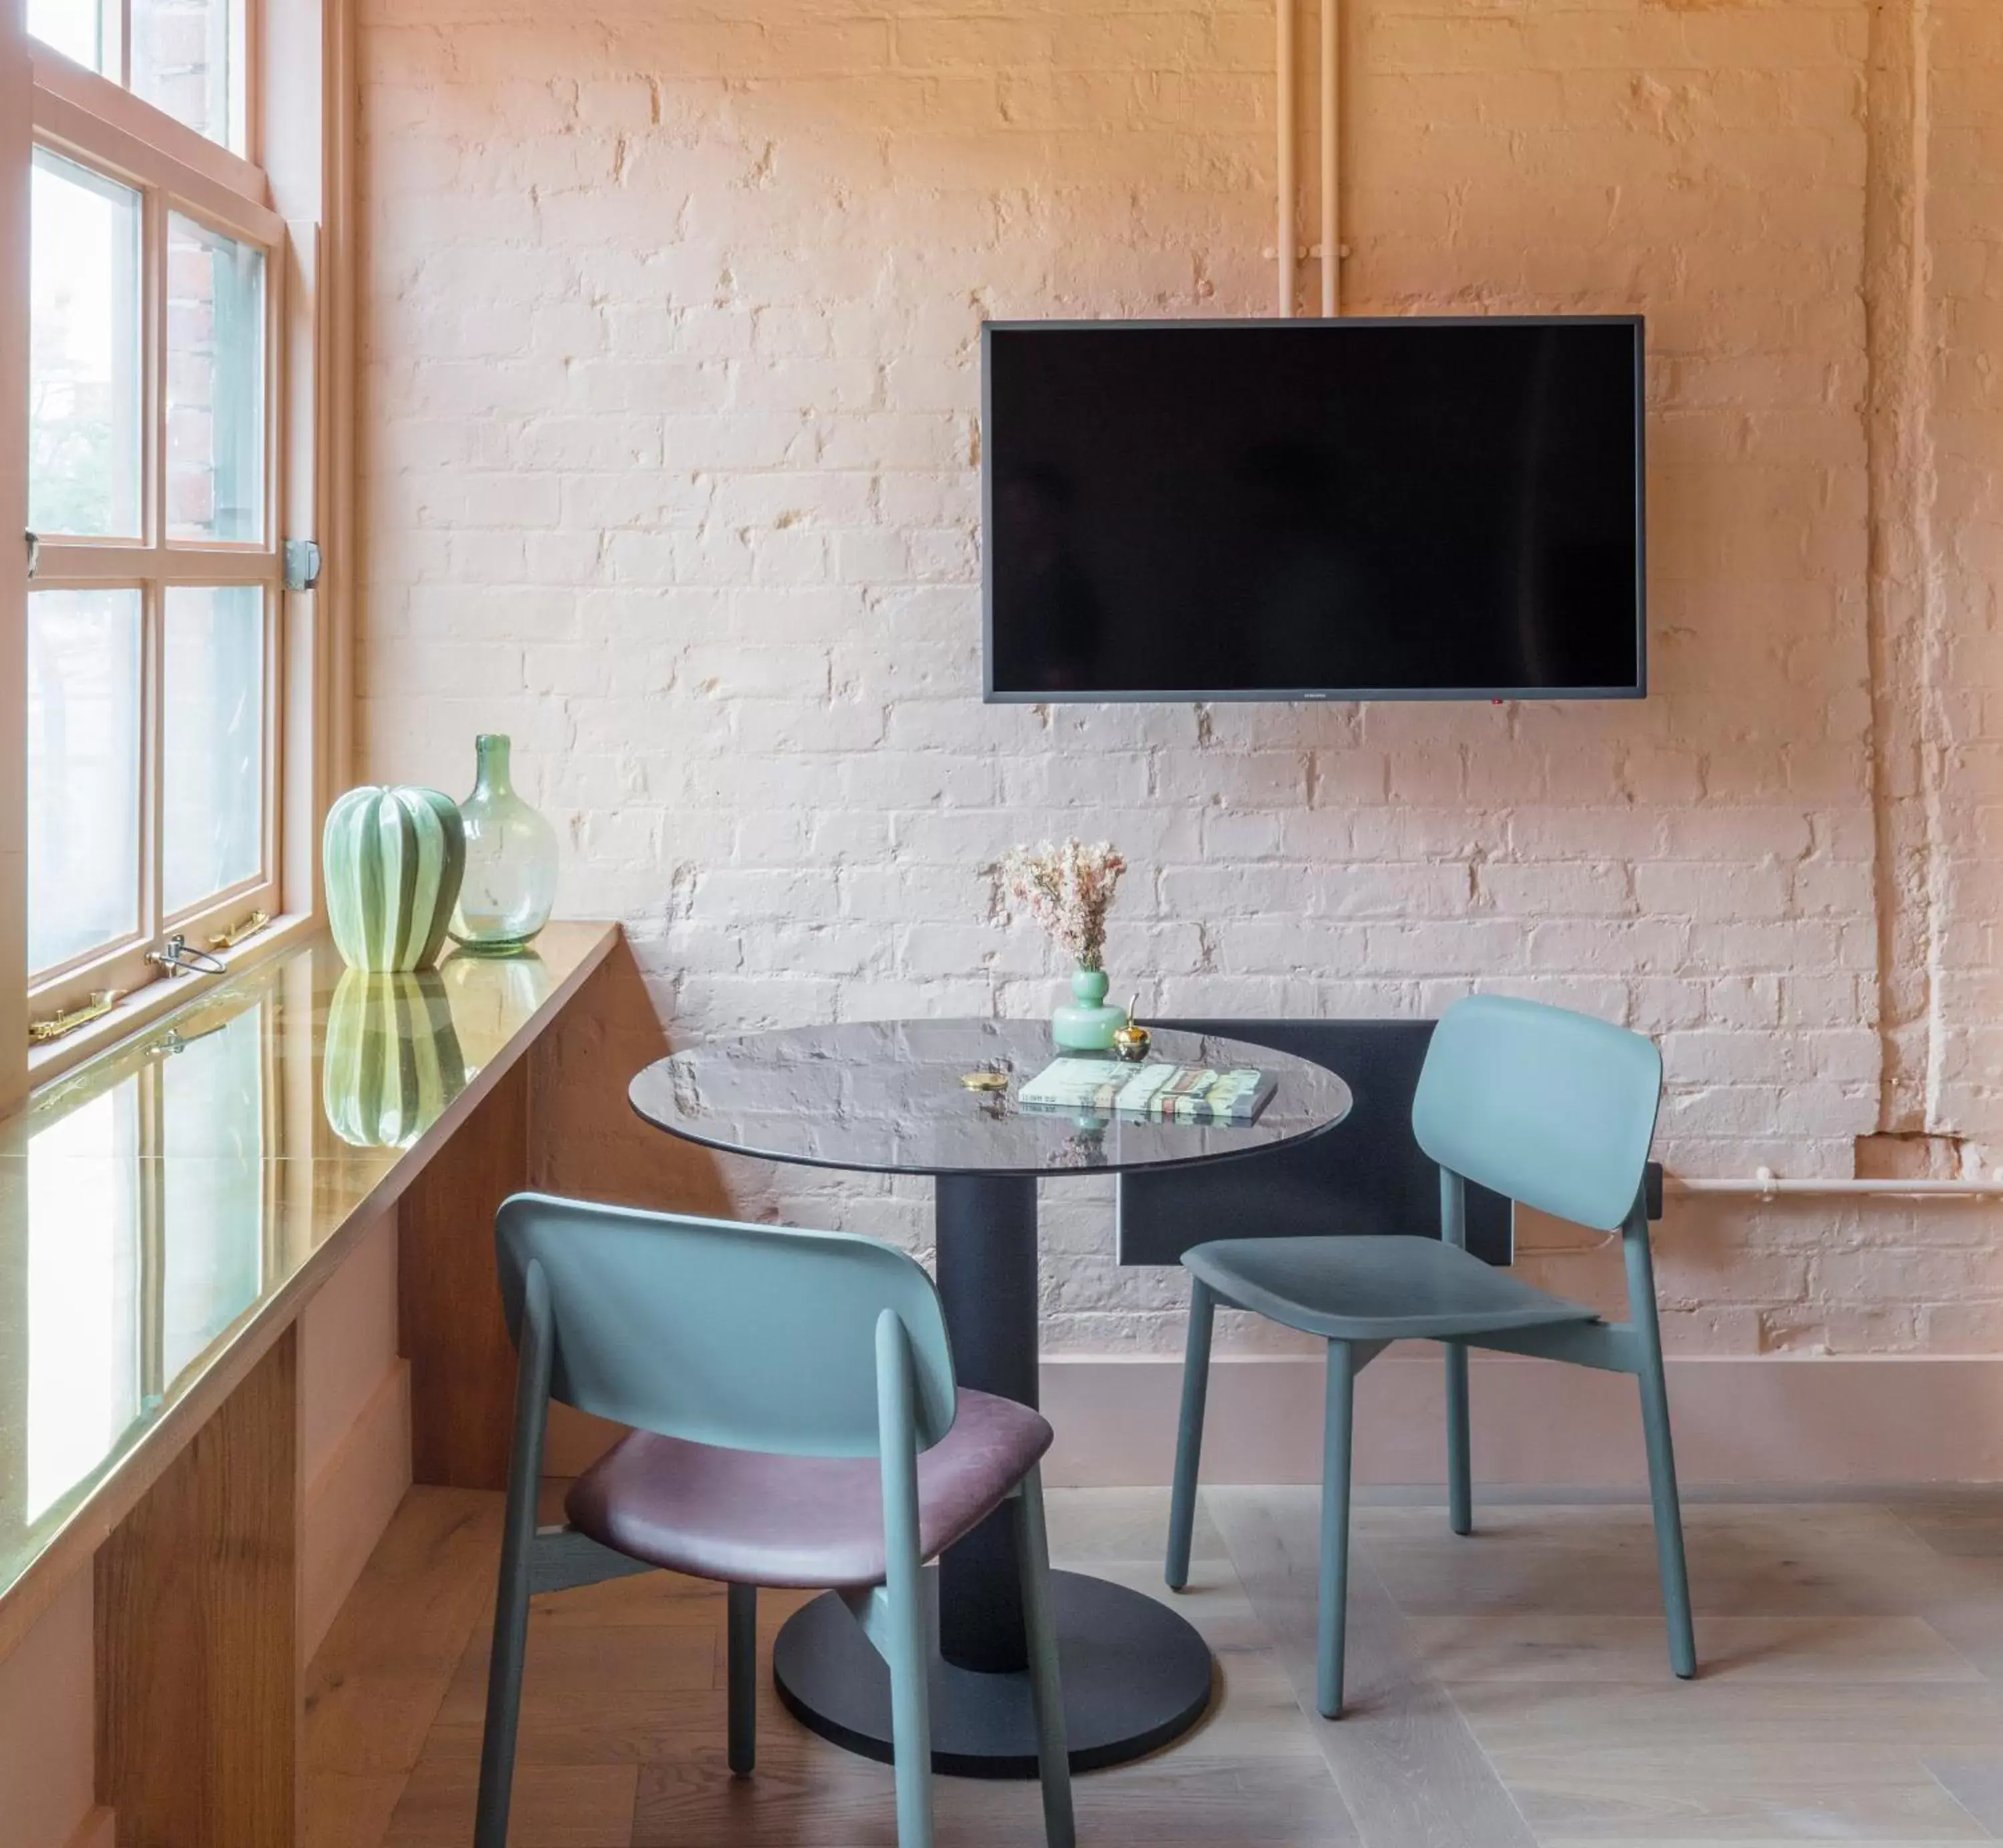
{"x": 511, "y": 860}
{"x": 1089, "y": 1025}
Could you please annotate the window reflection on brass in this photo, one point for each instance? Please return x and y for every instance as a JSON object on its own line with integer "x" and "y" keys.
{"x": 101, "y": 1002}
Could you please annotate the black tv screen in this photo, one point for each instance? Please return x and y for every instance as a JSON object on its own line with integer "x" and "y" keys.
{"x": 1346, "y": 509}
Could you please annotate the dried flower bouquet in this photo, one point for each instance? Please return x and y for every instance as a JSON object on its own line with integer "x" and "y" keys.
{"x": 1067, "y": 889}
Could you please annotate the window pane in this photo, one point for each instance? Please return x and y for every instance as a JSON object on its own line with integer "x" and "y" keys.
{"x": 83, "y": 371}
{"x": 83, "y": 772}
{"x": 215, "y": 384}
{"x": 214, "y": 777}
{"x": 187, "y": 59}
{"x": 87, "y": 30}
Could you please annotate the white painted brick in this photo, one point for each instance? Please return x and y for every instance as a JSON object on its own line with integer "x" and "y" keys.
{"x": 670, "y": 374}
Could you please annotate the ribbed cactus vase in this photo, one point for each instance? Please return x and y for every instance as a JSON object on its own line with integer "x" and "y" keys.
{"x": 394, "y": 859}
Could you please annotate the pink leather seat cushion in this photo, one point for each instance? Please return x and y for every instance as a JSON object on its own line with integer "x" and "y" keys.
{"x": 749, "y": 1517}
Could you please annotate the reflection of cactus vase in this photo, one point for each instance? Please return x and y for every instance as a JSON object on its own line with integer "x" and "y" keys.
{"x": 511, "y": 860}
{"x": 393, "y": 1058}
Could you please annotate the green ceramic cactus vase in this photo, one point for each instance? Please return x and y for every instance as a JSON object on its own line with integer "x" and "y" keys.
{"x": 394, "y": 859}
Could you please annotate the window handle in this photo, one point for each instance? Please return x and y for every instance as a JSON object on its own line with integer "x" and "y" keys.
{"x": 34, "y": 553}
{"x": 177, "y": 959}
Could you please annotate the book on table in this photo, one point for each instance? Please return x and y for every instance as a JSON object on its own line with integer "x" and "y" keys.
{"x": 1157, "y": 1088}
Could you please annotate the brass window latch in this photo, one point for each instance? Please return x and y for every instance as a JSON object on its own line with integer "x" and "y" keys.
{"x": 100, "y": 1003}
{"x": 244, "y": 927}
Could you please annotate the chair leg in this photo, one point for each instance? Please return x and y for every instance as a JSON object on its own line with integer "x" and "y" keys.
{"x": 1663, "y": 1499}
{"x": 910, "y": 1712}
{"x": 1667, "y": 1508}
{"x": 744, "y": 1678}
{"x": 518, "y": 1539}
{"x": 1334, "y": 1590}
{"x": 504, "y": 1694}
{"x": 905, "y": 1647}
{"x": 1459, "y": 1476}
{"x": 1189, "y": 1434}
{"x": 1046, "y": 1691}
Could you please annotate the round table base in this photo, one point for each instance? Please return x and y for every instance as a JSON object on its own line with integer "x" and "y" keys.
{"x": 1135, "y": 1676}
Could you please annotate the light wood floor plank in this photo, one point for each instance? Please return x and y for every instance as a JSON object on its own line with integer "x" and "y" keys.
{"x": 374, "y": 1687}
{"x": 1409, "y": 1770}
{"x": 1840, "y": 1559}
{"x": 1975, "y": 1783}
{"x": 555, "y": 1806}
{"x": 348, "y": 1809}
{"x": 1490, "y": 1646}
{"x": 1661, "y": 1794}
{"x": 814, "y": 1795}
{"x": 1510, "y": 1691}
{"x": 1553, "y": 1717}
{"x": 1096, "y": 1526}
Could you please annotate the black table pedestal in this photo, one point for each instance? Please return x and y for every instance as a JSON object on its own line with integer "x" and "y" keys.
{"x": 1135, "y": 1674}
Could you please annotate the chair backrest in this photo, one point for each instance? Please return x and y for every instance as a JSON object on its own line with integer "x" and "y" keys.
{"x": 752, "y": 1337}
{"x": 1366, "y": 1176}
{"x": 1554, "y": 1108}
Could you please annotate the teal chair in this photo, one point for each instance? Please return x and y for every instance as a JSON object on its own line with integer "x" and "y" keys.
{"x": 796, "y": 1423}
{"x": 1544, "y": 1107}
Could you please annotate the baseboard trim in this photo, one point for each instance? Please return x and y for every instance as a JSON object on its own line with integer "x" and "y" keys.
{"x": 349, "y": 1504}
{"x": 1765, "y": 1420}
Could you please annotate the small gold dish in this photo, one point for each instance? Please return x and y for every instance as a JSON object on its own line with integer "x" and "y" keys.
{"x": 985, "y": 1080}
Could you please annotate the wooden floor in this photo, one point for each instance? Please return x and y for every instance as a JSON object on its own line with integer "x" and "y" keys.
{"x": 1510, "y": 1689}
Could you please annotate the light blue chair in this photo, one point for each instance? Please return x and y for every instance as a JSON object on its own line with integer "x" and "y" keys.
{"x": 1546, "y": 1107}
{"x": 796, "y": 1423}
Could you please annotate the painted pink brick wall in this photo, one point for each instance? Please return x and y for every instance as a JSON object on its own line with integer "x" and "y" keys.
{"x": 1966, "y": 205}
{"x": 672, "y": 445}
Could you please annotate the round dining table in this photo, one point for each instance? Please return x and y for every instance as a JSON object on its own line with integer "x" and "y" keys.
{"x": 889, "y": 1097}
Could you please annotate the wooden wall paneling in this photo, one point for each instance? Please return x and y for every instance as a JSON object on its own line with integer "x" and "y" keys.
{"x": 196, "y": 1620}
{"x": 448, "y": 1298}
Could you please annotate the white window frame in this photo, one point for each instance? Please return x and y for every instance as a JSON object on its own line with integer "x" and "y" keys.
{"x": 155, "y": 562}
{"x": 298, "y": 79}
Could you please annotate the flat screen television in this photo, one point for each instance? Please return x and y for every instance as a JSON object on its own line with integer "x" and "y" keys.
{"x": 1313, "y": 510}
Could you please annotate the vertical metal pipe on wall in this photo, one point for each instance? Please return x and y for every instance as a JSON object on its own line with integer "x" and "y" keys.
{"x": 1331, "y": 242}
{"x": 1286, "y": 243}
{"x": 1283, "y": 13}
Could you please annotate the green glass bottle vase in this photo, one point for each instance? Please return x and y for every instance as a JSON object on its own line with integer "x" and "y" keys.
{"x": 511, "y": 861}
{"x": 1087, "y": 1026}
